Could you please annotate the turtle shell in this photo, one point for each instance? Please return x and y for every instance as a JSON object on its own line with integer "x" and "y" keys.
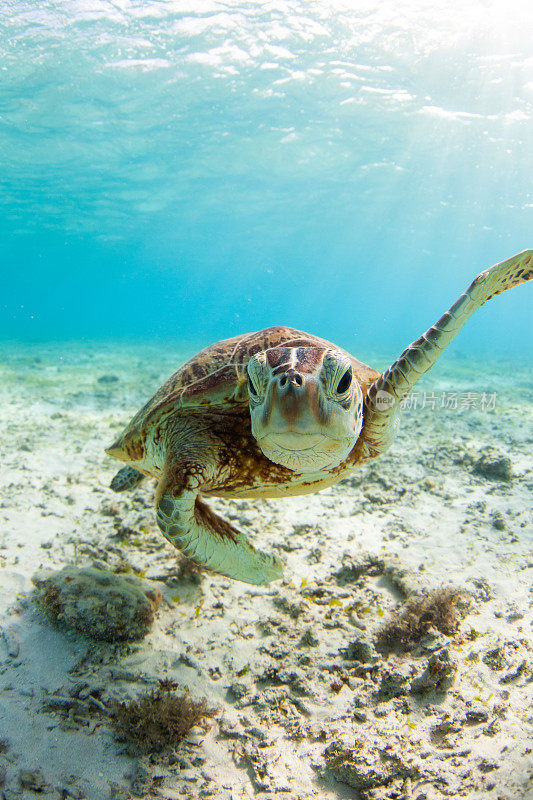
{"x": 216, "y": 376}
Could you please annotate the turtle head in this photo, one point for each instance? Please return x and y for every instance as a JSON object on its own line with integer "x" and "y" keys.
{"x": 305, "y": 405}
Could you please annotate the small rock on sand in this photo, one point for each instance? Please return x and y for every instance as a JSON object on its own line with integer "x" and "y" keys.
{"x": 98, "y": 603}
{"x": 368, "y": 766}
{"x": 493, "y": 465}
{"x": 438, "y": 675}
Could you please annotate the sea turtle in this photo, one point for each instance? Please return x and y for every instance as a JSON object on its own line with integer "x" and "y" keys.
{"x": 273, "y": 414}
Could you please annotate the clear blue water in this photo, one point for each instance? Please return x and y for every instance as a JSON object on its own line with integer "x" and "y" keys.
{"x": 193, "y": 169}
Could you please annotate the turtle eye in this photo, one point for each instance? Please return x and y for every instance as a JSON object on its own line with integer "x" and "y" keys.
{"x": 344, "y": 383}
{"x": 251, "y": 387}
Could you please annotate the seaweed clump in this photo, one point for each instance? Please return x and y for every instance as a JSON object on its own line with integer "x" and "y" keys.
{"x": 159, "y": 719}
{"x": 440, "y": 609}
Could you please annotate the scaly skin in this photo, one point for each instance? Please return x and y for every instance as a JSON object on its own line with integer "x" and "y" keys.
{"x": 126, "y": 478}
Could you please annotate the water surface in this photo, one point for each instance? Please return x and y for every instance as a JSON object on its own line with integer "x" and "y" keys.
{"x": 192, "y": 170}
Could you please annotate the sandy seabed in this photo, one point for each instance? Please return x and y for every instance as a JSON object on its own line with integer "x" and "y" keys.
{"x": 308, "y": 705}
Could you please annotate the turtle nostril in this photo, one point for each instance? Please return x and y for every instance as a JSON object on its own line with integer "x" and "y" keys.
{"x": 290, "y": 377}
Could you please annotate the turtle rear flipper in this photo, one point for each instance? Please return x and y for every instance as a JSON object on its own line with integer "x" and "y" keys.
{"x": 380, "y": 414}
{"x": 126, "y": 478}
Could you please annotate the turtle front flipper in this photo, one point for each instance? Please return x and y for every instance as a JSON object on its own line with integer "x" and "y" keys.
{"x": 211, "y": 542}
{"x": 126, "y": 478}
{"x": 380, "y": 414}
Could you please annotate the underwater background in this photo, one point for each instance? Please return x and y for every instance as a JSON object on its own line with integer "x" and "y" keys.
{"x": 174, "y": 172}
{"x": 187, "y": 171}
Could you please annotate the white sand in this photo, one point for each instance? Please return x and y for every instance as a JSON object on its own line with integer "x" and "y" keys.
{"x": 428, "y": 520}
